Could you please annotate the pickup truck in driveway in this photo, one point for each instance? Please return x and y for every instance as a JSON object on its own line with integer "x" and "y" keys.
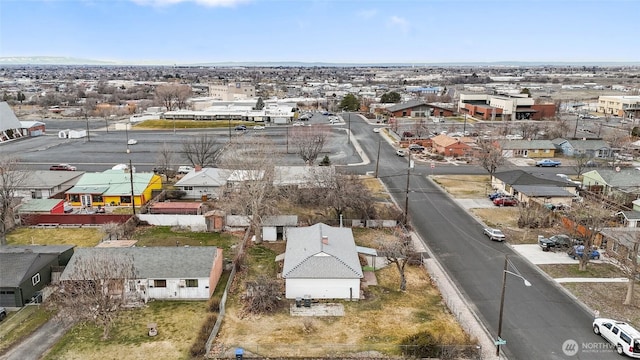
{"x": 555, "y": 242}
{"x": 3, "y": 313}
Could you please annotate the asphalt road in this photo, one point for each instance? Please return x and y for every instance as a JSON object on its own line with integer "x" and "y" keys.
{"x": 537, "y": 320}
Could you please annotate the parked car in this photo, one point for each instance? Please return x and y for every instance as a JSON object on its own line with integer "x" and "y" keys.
{"x": 184, "y": 169}
{"x": 401, "y": 152}
{"x": 624, "y": 157}
{"x": 548, "y": 163}
{"x": 505, "y": 201}
{"x": 496, "y": 195}
{"x": 494, "y": 234}
{"x": 240, "y": 128}
{"x": 578, "y": 251}
{"x": 514, "y": 137}
{"x": 3, "y": 313}
{"x": 555, "y": 242}
{"x": 376, "y": 130}
{"x": 63, "y": 167}
{"x": 161, "y": 170}
{"x": 132, "y": 142}
{"x": 623, "y": 336}
{"x": 258, "y": 127}
{"x": 416, "y": 147}
{"x": 407, "y": 134}
{"x": 297, "y": 124}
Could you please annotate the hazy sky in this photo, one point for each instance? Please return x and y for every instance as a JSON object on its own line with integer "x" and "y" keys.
{"x": 339, "y": 31}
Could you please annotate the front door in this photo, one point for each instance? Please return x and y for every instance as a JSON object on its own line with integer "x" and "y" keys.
{"x": 86, "y": 200}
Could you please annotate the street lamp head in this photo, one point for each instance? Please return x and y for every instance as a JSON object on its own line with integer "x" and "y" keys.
{"x": 526, "y": 282}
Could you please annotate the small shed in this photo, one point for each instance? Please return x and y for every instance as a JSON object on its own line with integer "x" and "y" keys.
{"x": 42, "y": 206}
{"x": 274, "y": 227}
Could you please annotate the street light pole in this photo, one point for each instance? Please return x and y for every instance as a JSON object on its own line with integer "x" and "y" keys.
{"x": 87, "y": 120}
{"x": 133, "y": 201}
{"x": 499, "y": 341}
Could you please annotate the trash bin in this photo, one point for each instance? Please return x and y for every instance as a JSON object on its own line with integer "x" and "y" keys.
{"x": 298, "y": 302}
{"x": 239, "y": 353}
{"x": 307, "y": 301}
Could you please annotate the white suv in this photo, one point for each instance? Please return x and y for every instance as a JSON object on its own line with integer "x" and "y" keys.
{"x": 623, "y": 336}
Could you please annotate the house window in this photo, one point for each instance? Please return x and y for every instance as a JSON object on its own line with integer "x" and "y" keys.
{"x": 35, "y": 279}
{"x": 187, "y": 188}
{"x": 74, "y": 198}
{"x": 125, "y": 199}
{"x": 96, "y": 198}
{"x": 36, "y": 194}
{"x": 191, "y": 282}
{"x": 546, "y": 151}
{"x": 160, "y": 283}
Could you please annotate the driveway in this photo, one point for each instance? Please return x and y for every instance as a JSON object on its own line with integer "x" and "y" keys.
{"x": 38, "y": 342}
{"x": 535, "y": 255}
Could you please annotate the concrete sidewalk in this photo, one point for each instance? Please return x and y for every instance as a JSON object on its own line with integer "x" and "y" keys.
{"x": 591, "y": 280}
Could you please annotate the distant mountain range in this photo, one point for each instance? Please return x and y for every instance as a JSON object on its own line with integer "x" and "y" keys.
{"x": 57, "y": 60}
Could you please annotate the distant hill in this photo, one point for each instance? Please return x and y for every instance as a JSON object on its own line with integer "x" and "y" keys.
{"x": 58, "y": 60}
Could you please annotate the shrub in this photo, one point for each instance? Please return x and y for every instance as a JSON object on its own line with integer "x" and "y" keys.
{"x": 213, "y": 305}
{"x": 198, "y": 348}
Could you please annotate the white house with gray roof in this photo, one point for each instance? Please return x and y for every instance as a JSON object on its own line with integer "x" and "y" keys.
{"x": 163, "y": 273}
{"x": 321, "y": 262}
{"x": 204, "y": 182}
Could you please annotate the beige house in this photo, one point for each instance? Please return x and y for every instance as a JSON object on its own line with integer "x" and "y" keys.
{"x": 626, "y": 106}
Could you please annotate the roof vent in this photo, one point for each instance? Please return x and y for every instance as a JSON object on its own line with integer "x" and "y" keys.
{"x": 325, "y": 240}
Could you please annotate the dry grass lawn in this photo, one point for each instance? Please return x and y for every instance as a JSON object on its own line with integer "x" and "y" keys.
{"x": 21, "y": 324}
{"x": 81, "y": 237}
{"x": 465, "y": 186}
{"x": 379, "y": 322}
{"x": 607, "y": 298}
{"x": 178, "y": 325}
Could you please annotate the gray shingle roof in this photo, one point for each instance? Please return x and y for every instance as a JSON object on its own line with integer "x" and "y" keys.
{"x": 16, "y": 267}
{"x": 520, "y": 177}
{"x": 542, "y": 191}
{"x": 155, "y": 262}
{"x": 407, "y": 105}
{"x": 307, "y": 257}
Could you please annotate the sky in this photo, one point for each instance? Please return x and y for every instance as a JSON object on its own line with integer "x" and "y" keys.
{"x": 333, "y": 31}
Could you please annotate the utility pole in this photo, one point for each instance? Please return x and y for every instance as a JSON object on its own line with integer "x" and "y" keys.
{"x": 406, "y": 194}
{"x": 87, "y": 120}
{"x": 575, "y": 130}
{"x": 133, "y": 201}
{"x": 378, "y": 158}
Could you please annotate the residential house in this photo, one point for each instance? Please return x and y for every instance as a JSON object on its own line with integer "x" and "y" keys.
{"x": 591, "y": 148}
{"x": 113, "y": 188}
{"x": 162, "y": 273}
{"x": 321, "y": 262}
{"x": 45, "y": 184}
{"x": 527, "y": 187}
{"x": 26, "y": 270}
{"x": 527, "y": 148}
{"x": 450, "y": 146}
{"x": 623, "y": 184}
{"x": 630, "y": 218}
{"x": 621, "y": 244}
{"x": 204, "y": 183}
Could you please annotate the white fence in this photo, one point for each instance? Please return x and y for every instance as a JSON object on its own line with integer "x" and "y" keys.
{"x": 195, "y": 222}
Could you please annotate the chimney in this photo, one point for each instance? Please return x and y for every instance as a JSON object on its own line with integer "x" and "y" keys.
{"x": 325, "y": 240}
{"x": 198, "y": 168}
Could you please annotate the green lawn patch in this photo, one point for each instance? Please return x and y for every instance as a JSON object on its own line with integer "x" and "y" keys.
{"x": 168, "y": 236}
{"x": 190, "y": 124}
{"x": 81, "y": 237}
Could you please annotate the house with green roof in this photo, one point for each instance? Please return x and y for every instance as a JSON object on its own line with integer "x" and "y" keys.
{"x": 114, "y": 188}
{"x": 616, "y": 183}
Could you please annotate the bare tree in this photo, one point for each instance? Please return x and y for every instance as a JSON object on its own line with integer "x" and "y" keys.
{"x": 201, "y": 150}
{"x": 173, "y": 96}
{"x": 490, "y": 156}
{"x": 624, "y": 251}
{"x": 399, "y": 251}
{"x": 339, "y": 192}
{"x": 420, "y": 128}
{"x": 94, "y": 290}
{"x": 581, "y": 161}
{"x": 587, "y": 221}
{"x": 113, "y": 230}
{"x": 252, "y": 192}
{"x": 11, "y": 177}
{"x": 309, "y": 141}
{"x": 165, "y": 156}
{"x": 262, "y": 295}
